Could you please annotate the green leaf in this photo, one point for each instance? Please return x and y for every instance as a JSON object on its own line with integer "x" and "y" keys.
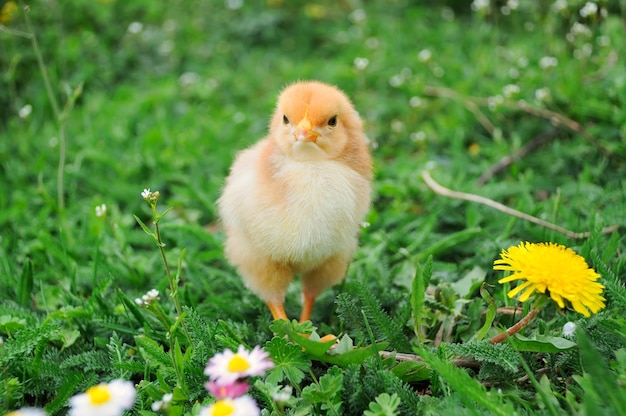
{"x": 489, "y": 316}
{"x": 25, "y": 287}
{"x": 411, "y": 371}
{"x": 356, "y": 356}
{"x": 152, "y": 352}
{"x": 289, "y": 361}
{"x": 471, "y": 392}
{"x": 312, "y": 347}
{"x": 448, "y": 242}
{"x": 327, "y": 392}
{"x": 418, "y": 290}
{"x": 329, "y": 386}
{"x": 385, "y": 405}
{"x": 145, "y": 228}
{"x": 465, "y": 286}
{"x": 541, "y": 343}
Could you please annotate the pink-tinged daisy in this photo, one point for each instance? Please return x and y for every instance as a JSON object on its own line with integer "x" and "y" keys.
{"x": 221, "y": 391}
{"x": 241, "y": 406}
{"x": 227, "y": 367}
{"x": 104, "y": 399}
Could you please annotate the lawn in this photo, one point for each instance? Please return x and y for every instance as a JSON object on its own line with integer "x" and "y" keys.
{"x": 491, "y": 123}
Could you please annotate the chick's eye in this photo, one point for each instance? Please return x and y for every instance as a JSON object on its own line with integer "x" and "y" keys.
{"x": 332, "y": 121}
{"x": 285, "y": 120}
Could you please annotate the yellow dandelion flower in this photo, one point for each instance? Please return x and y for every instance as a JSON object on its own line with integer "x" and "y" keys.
{"x": 555, "y": 269}
{"x": 9, "y": 11}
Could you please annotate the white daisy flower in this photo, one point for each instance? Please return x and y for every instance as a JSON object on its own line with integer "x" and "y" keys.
{"x": 241, "y": 406}
{"x": 227, "y": 367}
{"x": 104, "y": 399}
{"x": 27, "y": 411}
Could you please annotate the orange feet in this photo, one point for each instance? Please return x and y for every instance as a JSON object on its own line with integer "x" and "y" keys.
{"x": 307, "y": 308}
{"x": 277, "y": 310}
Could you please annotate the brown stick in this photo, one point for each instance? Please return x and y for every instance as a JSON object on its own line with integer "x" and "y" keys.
{"x": 441, "y": 190}
{"x": 515, "y": 328}
{"x": 401, "y": 357}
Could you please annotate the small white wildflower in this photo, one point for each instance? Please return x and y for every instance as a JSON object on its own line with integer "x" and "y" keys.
{"x": 418, "y": 136}
{"x": 163, "y": 403}
{"x": 364, "y": 224}
{"x": 396, "y": 80}
{"x": 139, "y": 302}
{"x": 514, "y": 73}
{"x": 361, "y": 63}
{"x": 569, "y": 329}
{"x": 101, "y": 210}
{"x": 397, "y": 126}
{"x": 188, "y": 79}
{"x": 372, "y": 43}
{"x": 510, "y": 90}
{"x": 589, "y": 9}
{"x": 480, "y": 5}
{"x": 416, "y": 102}
{"x": 283, "y": 395}
{"x": 494, "y": 102}
{"x": 584, "y": 52}
{"x": 234, "y": 4}
{"x": 522, "y": 62}
{"x": 542, "y": 94}
{"x": 424, "y": 55}
{"x": 145, "y": 194}
{"x": 358, "y": 15}
{"x": 512, "y": 4}
{"x": 559, "y": 5}
{"x": 135, "y": 27}
{"x": 25, "y": 111}
{"x": 580, "y": 29}
{"x": 166, "y": 47}
{"x": 548, "y": 62}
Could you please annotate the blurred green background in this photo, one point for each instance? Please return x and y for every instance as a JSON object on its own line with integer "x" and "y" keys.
{"x": 165, "y": 93}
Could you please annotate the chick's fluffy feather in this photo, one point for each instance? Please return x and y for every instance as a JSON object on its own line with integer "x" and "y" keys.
{"x": 294, "y": 207}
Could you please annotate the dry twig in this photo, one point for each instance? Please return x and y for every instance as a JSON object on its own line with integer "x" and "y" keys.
{"x": 441, "y": 190}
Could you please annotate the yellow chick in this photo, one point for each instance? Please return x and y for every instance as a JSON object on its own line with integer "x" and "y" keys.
{"x": 293, "y": 202}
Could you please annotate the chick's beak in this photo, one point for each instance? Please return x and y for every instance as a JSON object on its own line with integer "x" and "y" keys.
{"x": 304, "y": 131}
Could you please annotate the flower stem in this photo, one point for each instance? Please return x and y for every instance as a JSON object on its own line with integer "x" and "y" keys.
{"x": 170, "y": 279}
{"x": 516, "y": 328}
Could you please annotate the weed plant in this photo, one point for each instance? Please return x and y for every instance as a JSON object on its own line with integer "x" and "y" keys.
{"x": 522, "y": 103}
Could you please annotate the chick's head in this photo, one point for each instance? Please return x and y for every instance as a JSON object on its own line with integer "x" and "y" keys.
{"x": 315, "y": 121}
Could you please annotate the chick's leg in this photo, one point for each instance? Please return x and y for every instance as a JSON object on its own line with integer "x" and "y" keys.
{"x": 278, "y": 310}
{"x": 265, "y": 278}
{"x": 329, "y": 273}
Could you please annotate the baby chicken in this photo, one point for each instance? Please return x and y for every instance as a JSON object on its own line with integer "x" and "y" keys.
{"x": 294, "y": 201}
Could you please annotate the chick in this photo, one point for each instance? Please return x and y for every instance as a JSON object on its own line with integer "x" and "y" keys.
{"x": 293, "y": 202}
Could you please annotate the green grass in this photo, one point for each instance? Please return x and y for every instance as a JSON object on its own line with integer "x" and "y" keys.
{"x": 166, "y": 106}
